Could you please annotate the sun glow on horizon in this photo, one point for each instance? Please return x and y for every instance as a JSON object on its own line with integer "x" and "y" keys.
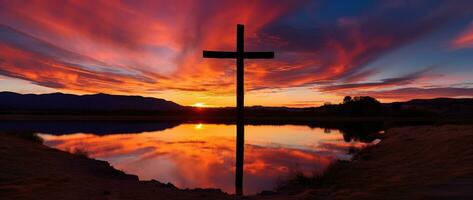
{"x": 201, "y": 105}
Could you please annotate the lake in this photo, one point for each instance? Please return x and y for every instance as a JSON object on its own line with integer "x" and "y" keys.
{"x": 200, "y": 155}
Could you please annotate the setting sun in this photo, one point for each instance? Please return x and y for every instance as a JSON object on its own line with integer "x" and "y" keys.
{"x": 200, "y": 105}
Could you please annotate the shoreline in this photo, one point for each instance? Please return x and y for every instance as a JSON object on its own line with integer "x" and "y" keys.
{"x": 410, "y": 162}
{"x": 228, "y": 119}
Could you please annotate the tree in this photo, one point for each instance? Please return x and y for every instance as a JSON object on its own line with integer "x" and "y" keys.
{"x": 361, "y": 106}
{"x": 347, "y": 99}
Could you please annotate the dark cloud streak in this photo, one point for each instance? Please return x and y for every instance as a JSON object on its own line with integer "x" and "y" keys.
{"x": 421, "y": 93}
{"x": 388, "y": 82}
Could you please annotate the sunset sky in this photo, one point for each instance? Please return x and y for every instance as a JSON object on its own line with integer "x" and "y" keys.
{"x": 392, "y": 50}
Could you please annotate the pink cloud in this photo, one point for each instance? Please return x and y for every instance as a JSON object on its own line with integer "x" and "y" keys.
{"x": 464, "y": 39}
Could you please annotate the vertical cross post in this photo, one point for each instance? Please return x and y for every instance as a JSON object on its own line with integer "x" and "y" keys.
{"x": 240, "y": 146}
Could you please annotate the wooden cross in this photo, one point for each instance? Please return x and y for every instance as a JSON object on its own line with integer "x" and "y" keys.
{"x": 239, "y": 55}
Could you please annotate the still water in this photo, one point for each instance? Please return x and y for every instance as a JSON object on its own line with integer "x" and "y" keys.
{"x": 203, "y": 155}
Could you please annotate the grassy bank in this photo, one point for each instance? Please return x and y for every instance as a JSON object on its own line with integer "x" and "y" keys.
{"x": 424, "y": 162}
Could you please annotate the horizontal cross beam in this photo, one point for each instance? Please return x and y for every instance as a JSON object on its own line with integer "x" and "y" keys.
{"x": 219, "y": 54}
{"x": 258, "y": 55}
{"x": 229, "y": 54}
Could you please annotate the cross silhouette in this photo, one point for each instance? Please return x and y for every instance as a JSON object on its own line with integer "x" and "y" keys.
{"x": 239, "y": 55}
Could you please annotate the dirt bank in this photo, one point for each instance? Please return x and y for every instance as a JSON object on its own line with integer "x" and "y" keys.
{"x": 29, "y": 170}
{"x": 425, "y": 162}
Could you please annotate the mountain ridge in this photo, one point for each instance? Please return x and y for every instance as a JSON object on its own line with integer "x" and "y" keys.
{"x": 99, "y": 101}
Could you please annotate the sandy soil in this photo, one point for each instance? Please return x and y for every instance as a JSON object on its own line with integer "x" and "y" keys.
{"x": 424, "y": 162}
{"x": 29, "y": 170}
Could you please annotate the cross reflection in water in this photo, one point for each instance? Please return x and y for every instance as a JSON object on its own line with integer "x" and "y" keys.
{"x": 203, "y": 155}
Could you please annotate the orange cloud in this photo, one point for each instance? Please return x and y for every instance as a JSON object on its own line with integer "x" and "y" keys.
{"x": 151, "y": 47}
{"x": 154, "y": 41}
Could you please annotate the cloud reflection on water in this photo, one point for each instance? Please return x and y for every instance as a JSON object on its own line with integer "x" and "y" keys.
{"x": 203, "y": 155}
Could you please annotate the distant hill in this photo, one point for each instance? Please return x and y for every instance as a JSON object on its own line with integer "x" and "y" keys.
{"x": 442, "y": 106}
{"x": 94, "y": 102}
